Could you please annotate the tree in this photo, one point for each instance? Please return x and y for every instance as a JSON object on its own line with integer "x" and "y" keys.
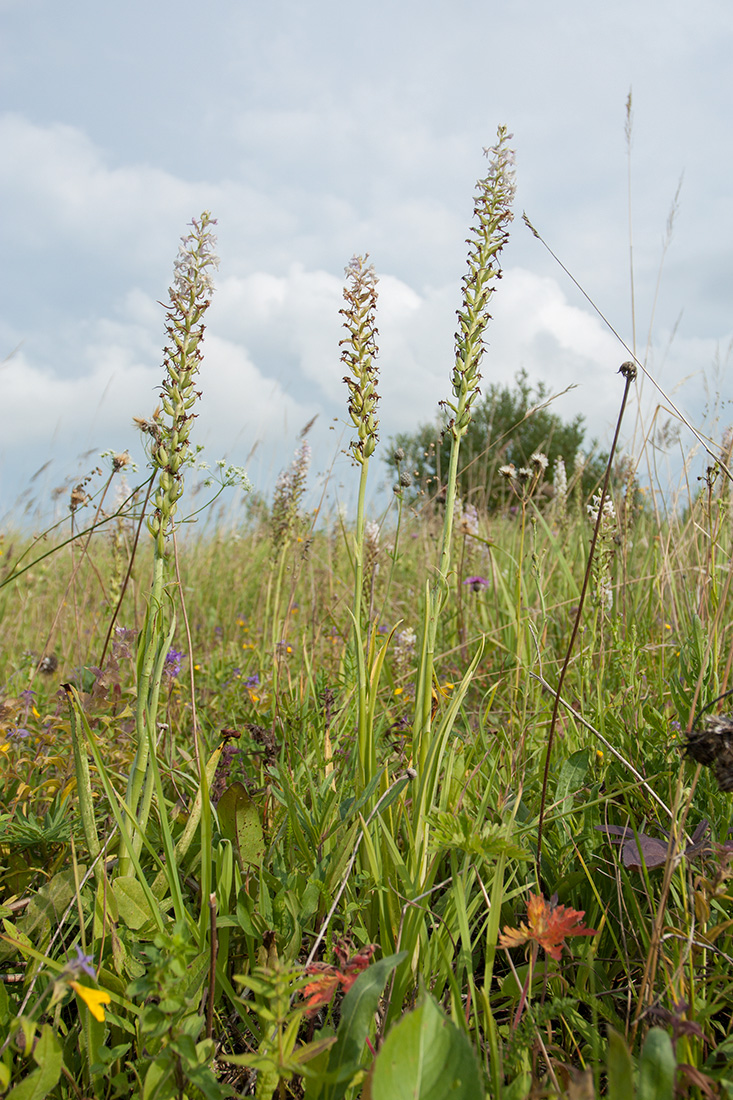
{"x": 509, "y": 425}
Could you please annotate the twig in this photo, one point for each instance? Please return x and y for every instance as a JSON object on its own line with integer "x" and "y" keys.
{"x": 614, "y": 751}
{"x": 628, "y": 370}
{"x": 647, "y": 374}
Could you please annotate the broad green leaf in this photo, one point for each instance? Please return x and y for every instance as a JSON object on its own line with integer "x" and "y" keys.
{"x": 357, "y": 1013}
{"x": 239, "y": 818}
{"x": 49, "y": 1057}
{"x": 132, "y": 902}
{"x": 157, "y": 1077}
{"x": 572, "y": 776}
{"x": 620, "y": 1068}
{"x": 657, "y": 1067}
{"x": 48, "y": 905}
{"x": 426, "y": 1057}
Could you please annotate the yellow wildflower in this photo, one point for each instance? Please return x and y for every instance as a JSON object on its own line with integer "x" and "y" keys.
{"x": 94, "y": 999}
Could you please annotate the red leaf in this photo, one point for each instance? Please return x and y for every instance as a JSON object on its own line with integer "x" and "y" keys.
{"x": 321, "y": 990}
{"x": 329, "y": 978}
{"x": 548, "y": 925}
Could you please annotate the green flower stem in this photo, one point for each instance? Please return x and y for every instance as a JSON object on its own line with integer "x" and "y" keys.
{"x": 152, "y": 650}
{"x": 194, "y": 818}
{"x": 367, "y": 755}
{"x": 489, "y": 234}
{"x": 190, "y": 297}
{"x": 360, "y": 351}
{"x": 435, "y": 600}
{"x": 84, "y": 784}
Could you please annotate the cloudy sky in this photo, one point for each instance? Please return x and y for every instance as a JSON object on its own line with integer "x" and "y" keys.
{"x": 314, "y": 131}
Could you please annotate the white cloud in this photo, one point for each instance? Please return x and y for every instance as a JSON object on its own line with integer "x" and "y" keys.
{"x": 61, "y": 187}
{"x": 272, "y": 362}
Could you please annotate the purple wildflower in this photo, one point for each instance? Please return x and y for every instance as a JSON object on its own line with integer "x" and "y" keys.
{"x": 477, "y": 583}
{"x": 81, "y": 963}
{"x": 252, "y": 681}
{"x": 173, "y": 661}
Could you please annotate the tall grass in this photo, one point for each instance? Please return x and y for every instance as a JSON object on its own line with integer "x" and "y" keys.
{"x": 271, "y": 796}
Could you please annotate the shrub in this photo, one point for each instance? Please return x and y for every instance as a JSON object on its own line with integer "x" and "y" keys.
{"x": 509, "y": 425}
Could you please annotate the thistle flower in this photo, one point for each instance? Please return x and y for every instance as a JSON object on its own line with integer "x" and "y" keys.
{"x": 492, "y": 213}
{"x": 190, "y": 297}
{"x": 360, "y": 351}
{"x": 477, "y": 583}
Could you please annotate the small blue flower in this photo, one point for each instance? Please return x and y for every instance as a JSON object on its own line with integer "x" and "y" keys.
{"x": 173, "y": 661}
{"x": 81, "y": 963}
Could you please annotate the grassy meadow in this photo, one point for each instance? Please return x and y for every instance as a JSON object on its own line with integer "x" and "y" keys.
{"x": 381, "y": 807}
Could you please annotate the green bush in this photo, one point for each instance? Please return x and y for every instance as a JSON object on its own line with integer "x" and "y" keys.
{"x": 509, "y": 425}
